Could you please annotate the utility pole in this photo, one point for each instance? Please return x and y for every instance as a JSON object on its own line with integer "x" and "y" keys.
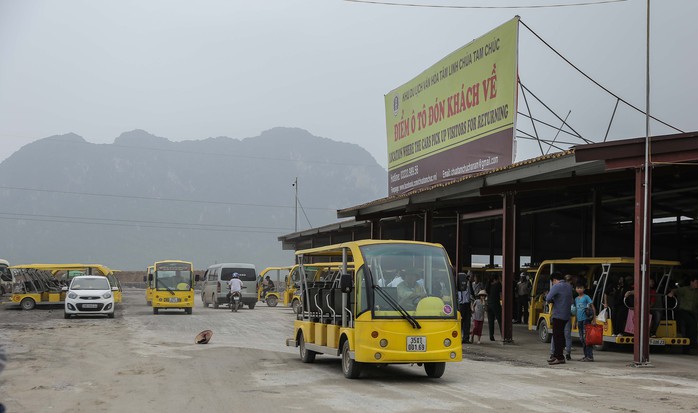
{"x": 641, "y": 336}
{"x": 295, "y": 185}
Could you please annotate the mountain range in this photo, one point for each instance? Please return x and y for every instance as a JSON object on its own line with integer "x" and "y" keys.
{"x": 145, "y": 198}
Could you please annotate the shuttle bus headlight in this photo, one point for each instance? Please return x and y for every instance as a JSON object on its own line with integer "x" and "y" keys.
{"x": 384, "y": 342}
{"x": 378, "y": 356}
{"x": 447, "y": 342}
{"x": 453, "y": 355}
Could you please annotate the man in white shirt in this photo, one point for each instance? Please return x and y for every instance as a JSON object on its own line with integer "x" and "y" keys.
{"x": 235, "y": 284}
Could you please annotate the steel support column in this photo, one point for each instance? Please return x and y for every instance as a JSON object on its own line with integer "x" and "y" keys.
{"x": 428, "y": 214}
{"x": 458, "y": 241}
{"x": 641, "y": 299}
{"x": 509, "y": 265}
{"x": 376, "y": 229}
{"x": 595, "y": 212}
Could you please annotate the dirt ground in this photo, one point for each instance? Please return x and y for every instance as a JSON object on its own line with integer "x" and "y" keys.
{"x": 143, "y": 362}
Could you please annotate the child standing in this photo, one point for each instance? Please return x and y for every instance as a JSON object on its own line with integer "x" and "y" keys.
{"x": 585, "y": 314}
{"x": 478, "y": 307}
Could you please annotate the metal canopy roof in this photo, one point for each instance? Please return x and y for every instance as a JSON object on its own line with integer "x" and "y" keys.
{"x": 557, "y": 187}
{"x": 545, "y": 168}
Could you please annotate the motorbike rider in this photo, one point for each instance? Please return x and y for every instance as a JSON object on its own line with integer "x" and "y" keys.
{"x": 235, "y": 285}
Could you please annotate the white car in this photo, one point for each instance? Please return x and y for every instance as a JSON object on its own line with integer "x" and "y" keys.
{"x": 89, "y": 294}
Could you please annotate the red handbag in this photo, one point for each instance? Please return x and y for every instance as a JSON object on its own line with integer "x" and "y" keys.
{"x": 593, "y": 334}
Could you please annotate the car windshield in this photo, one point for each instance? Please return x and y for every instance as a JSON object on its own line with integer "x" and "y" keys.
{"x": 173, "y": 280}
{"x": 415, "y": 278}
{"x": 89, "y": 284}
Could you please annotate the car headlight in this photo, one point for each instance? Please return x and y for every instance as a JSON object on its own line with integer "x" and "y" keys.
{"x": 72, "y": 295}
{"x": 106, "y": 295}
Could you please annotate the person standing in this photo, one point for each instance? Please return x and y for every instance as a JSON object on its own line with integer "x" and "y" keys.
{"x": 584, "y": 317}
{"x": 478, "y": 307}
{"x": 465, "y": 298}
{"x": 476, "y": 284}
{"x": 687, "y": 312}
{"x": 523, "y": 292}
{"x": 560, "y": 295}
{"x": 494, "y": 305}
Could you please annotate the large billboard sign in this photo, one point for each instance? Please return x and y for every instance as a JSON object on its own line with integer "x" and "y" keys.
{"x": 457, "y": 117}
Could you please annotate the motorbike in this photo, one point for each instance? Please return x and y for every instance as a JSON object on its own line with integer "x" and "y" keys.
{"x": 235, "y": 301}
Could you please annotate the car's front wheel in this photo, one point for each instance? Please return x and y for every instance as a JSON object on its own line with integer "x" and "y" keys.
{"x": 66, "y": 315}
{"x": 111, "y": 315}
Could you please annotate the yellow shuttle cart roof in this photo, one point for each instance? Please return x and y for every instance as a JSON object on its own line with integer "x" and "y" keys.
{"x": 54, "y": 268}
{"x": 336, "y": 249}
{"x": 607, "y": 260}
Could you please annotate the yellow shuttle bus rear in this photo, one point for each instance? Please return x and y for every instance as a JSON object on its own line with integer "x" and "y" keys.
{"x": 397, "y": 305}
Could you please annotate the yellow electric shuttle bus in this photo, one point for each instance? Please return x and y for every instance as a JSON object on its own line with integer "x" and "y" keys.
{"x": 366, "y": 318}
{"x": 42, "y": 283}
{"x": 603, "y": 277}
{"x": 148, "y": 279}
{"x": 173, "y": 286}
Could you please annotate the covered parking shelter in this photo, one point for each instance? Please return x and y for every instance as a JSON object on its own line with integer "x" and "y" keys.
{"x": 581, "y": 202}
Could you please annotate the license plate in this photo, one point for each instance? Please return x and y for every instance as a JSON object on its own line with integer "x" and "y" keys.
{"x": 657, "y": 342}
{"x": 236, "y": 298}
{"x": 174, "y": 300}
{"x": 89, "y": 306}
{"x": 416, "y": 343}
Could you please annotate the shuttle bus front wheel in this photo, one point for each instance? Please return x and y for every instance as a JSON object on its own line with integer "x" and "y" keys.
{"x": 543, "y": 331}
{"x": 435, "y": 370}
{"x": 350, "y": 367}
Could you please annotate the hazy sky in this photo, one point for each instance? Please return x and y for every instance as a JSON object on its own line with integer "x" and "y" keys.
{"x": 196, "y": 69}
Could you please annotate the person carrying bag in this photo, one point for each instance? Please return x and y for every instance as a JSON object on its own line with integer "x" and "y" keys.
{"x": 585, "y": 316}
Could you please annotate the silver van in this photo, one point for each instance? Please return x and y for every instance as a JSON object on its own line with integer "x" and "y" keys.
{"x": 215, "y": 284}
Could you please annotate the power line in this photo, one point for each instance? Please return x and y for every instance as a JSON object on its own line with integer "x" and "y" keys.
{"x": 137, "y": 225}
{"x": 304, "y": 214}
{"x": 594, "y": 81}
{"x": 530, "y": 6}
{"x": 142, "y": 222}
{"x": 17, "y": 188}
